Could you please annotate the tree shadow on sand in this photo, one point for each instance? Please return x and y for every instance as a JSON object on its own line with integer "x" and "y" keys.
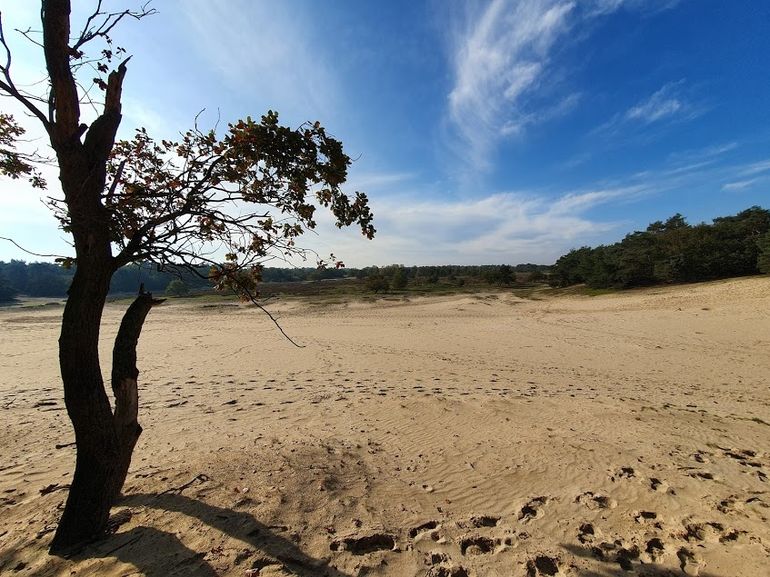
{"x": 158, "y": 553}
{"x": 611, "y": 568}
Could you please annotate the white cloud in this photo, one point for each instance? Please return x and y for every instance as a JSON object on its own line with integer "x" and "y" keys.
{"x": 669, "y": 104}
{"x": 738, "y": 185}
{"x": 499, "y": 54}
{"x": 418, "y": 227}
{"x": 507, "y": 227}
{"x": 756, "y": 168}
{"x": 712, "y": 152}
{"x": 663, "y": 103}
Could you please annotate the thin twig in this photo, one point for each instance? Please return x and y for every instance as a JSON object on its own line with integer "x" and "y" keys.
{"x": 254, "y": 301}
{"x": 17, "y": 245}
{"x": 202, "y": 477}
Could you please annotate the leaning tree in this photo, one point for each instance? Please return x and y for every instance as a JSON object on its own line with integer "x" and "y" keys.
{"x": 229, "y": 202}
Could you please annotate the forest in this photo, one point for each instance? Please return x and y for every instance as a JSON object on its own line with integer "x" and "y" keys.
{"x": 673, "y": 252}
{"x": 43, "y": 279}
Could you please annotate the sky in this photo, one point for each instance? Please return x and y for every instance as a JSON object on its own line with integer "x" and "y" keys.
{"x": 483, "y": 132}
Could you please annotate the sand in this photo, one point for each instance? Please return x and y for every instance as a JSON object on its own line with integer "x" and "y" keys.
{"x": 446, "y": 436}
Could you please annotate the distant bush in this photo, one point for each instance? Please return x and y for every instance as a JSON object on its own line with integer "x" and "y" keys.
{"x": 177, "y": 288}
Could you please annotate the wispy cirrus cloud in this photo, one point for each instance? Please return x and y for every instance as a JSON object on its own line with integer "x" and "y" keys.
{"x": 669, "y": 104}
{"x": 665, "y": 103}
{"x": 500, "y": 53}
{"x": 756, "y": 168}
{"x": 739, "y": 185}
{"x": 505, "y": 81}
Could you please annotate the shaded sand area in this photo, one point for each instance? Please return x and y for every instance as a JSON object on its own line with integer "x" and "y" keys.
{"x": 449, "y": 436}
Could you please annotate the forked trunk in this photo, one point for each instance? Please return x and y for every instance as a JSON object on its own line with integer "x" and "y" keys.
{"x": 124, "y": 384}
{"x": 105, "y": 442}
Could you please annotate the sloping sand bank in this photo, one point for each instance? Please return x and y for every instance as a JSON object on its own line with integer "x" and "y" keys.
{"x": 488, "y": 436}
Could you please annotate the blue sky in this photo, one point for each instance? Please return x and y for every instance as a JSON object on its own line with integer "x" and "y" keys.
{"x": 502, "y": 131}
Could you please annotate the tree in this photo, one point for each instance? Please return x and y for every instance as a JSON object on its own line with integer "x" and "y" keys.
{"x": 500, "y": 275}
{"x": 7, "y": 292}
{"x": 164, "y": 202}
{"x": 763, "y": 259}
{"x": 399, "y": 280}
{"x": 177, "y": 288}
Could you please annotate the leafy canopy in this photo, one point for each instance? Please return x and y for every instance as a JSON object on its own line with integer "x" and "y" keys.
{"x": 248, "y": 194}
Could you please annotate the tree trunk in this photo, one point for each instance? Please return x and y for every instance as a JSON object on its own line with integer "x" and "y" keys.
{"x": 82, "y": 173}
{"x": 90, "y": 497}
{"x": 124, "y": 384}
{"x": 105, "y": 442}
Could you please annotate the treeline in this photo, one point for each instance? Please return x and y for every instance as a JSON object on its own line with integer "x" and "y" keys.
{"x": 49, "y": 280}
{"x": 397, "y": 277}
{"x": 42, "y": 279}
{"x": 673, "y": 251}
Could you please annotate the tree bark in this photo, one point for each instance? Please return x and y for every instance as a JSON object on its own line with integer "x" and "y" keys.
{"x": 124, "y": 384}
{"x": 90, "y": 497}
{"x": 83, "y": 173}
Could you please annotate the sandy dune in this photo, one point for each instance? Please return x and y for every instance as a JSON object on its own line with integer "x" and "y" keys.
{"x": 487, "y": 436}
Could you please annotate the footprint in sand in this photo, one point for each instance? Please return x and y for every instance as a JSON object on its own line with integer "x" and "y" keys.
{"x": 477, "y": 545}
{"x": 446, "y": 571}
{"x": 711, "y": 532}
{"x": 587, "y": 533}
{"x": 645, "y": 517}
{"x": 533, "y": 509}
{"x": 596, "y": 500}
{"x": 543, "y": 565}
{"x": 484, "y": 521}
{"x": 422, "y": 528}
{"x": 624, "y": 473}
{"x": 365, "y": 544}
{"x": 689, "y": 562}
{"x": 655, "y": 550}
{"x": 658, "y": 485}
{"x": 703, "y": 475}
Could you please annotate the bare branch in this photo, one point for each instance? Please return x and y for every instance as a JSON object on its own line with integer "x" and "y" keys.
{"x": 254, "y": 301}
{"x": 17, "y": 245}
{"x": 109, "y": 22}
{"x": 27, "y": 34}
{"x": 9, "y": 87}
